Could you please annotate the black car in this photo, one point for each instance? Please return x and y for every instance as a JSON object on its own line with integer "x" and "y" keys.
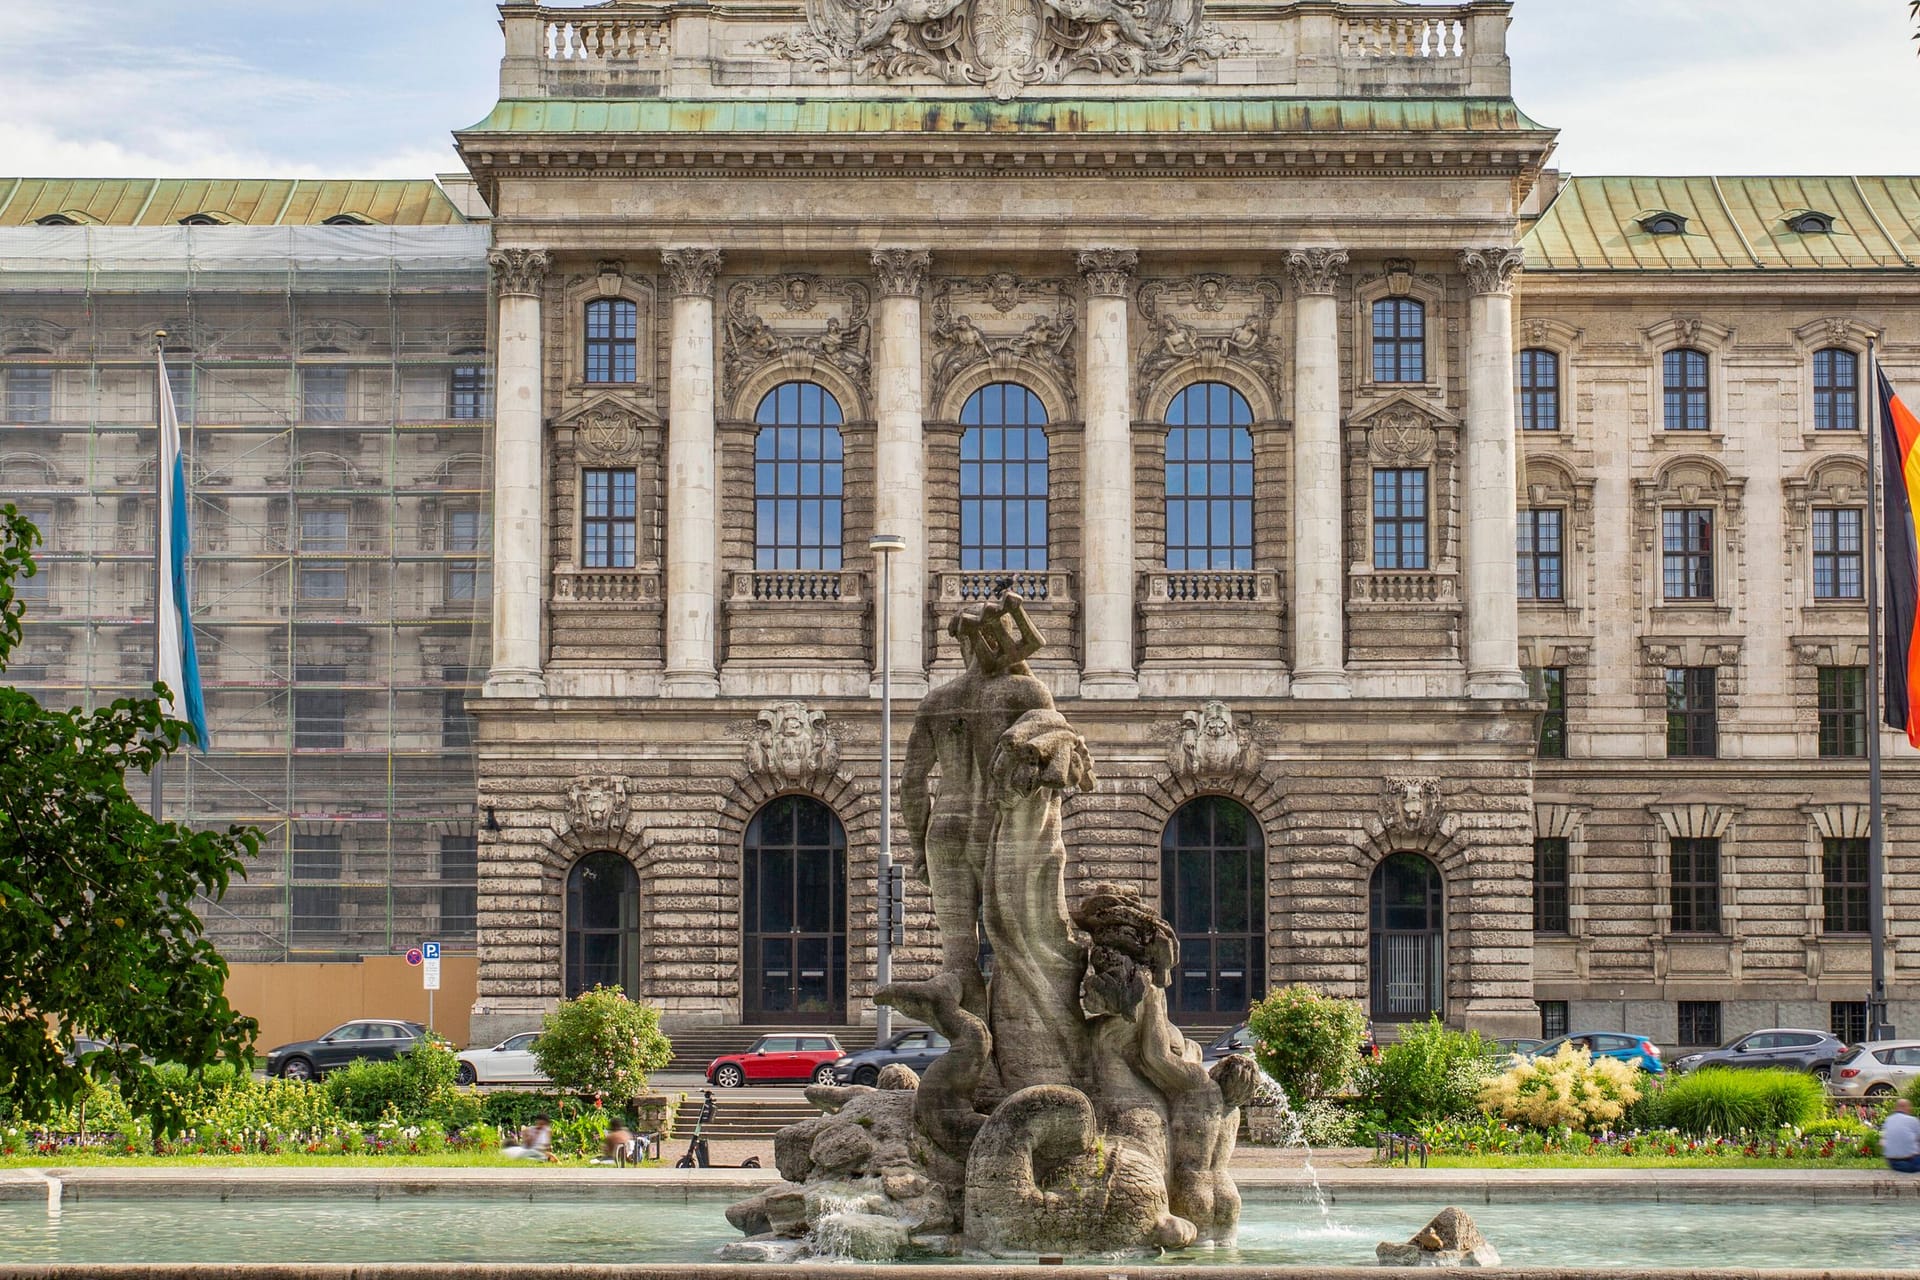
{"x": 1795, "y": 1048}
{"x": 372, "y": 1038}
{"x": 916, "y": 1047}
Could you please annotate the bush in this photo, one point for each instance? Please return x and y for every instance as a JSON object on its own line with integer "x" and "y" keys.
{"x": 581, "y": 1135}
{"x": 1429, "y": 1074}
{"x": 413, "y": 1085}
{"x": 1722, "y": 1100}
{"x": 602, "y": 1044}
{"x": 1308, "y": 1042}
{"x": 1571, "y": 1090}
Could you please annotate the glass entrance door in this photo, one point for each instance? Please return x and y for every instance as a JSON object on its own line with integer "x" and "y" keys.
{"x": 794, "y": 891}
{"x": 1213, "y": 870}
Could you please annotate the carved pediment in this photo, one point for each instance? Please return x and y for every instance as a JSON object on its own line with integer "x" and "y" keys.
{"x": 1402, "y": 431}
{"x": 32, "y": 334}
{"x": 795, "y": 315}
{"x": 1210, "y": 322}
{"x": 1004, "y": 322}
{"x": 608, "y": 431}
{"x": 332, "y": 334}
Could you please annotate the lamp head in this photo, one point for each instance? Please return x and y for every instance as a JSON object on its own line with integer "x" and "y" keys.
{"x": 885, "y": 544}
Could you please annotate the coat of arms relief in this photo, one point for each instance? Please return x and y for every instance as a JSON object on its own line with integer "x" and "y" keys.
{"x": 1005, "y": 45}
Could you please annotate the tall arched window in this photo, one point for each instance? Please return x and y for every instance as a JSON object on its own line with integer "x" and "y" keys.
{"x": 1003, "y": 479}
{"x": 794, "y": 912}
{"x": 797, "y": 464}
{"x": 1399, "y": 340}
{"x": 1836, "y": 390}
{"x": 603, "y": 925}
{"x": 1539, "y": 390}
{"x": 1213, "y": 888}
{"x": 1209, "y": 479}
{"x": 611, "y": 350}
{"x": 1684, "y": 381}
{"x": 1407, "y": 943}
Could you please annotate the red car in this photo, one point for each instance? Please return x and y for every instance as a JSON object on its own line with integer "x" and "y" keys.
{"x": 778, "y": 1059}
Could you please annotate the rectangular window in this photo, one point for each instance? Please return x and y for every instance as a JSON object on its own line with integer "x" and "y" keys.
{"x": 607, "y": 525}
{"x": 1539, "y": 390}
{"x": 315, "y": 907}
{"x": 1838, "y": 556}
{"x": 1836, "y": 390}
{"x": 316, "y": 857}
{"x": 323, "y": 394}
{"x": 1399, "y": 340}
{"x": 1695, "y": 884}
{"x": 1843, "y": 711}
{"x": 1684, "y": 374}
{"x": 1847, "y": 1019}
{"x": 1686, "y": 538}
{"x": 1538, "y": 555}
{"x": 319, "y": 713}
{"x": 612, "y": 354}
{"x": 1553, "y": 1019}
{"x": 323, "y": 530}
{"x": 1700, "y": 1024}
{"x": 466, "y": 531}
{"x": 1844, "y": 903}
{"x": 1550, "y": 884}
{"x": 1692, "y": 723}
{"x": 35, "y": 590}
{"x": 1400, "y": 518}
{"x": 456, "y": 726}
{"x": 29, "y": 395}
{"x": 1549, "y": 685}
{"x": 468, "y": 395}
{"x": 458, "y": 890}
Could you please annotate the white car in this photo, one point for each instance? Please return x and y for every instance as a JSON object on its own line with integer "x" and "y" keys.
{"x": 509, "y": 1062}
{"x": 1878, "y": 1069}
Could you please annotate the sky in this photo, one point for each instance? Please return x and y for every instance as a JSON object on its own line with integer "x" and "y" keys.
{"x": 372, "y": 88}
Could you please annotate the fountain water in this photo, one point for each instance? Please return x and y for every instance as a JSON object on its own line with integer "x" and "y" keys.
{"x": 1271, "y": 1093}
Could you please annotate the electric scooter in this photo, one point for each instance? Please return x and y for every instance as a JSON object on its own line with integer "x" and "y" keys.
{"x": 697, "y": 1157}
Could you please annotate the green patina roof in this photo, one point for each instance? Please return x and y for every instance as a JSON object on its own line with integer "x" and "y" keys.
{"x": 257, "y": 202}
{"x": 1108, "y": 116}
{"x": 1733, "y": 224}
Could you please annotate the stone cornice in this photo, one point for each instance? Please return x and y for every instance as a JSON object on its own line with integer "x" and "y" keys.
{"x": 691, "y": 272}
{"x": 519, "y": 271}
{"x": 902, "y": 273}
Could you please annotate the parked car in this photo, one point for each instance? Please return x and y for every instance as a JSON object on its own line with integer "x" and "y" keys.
{"x": 509, "y": 1062}
{"x": 371, "y": 1038}
{"x": 1875, "y": 1069}
{"x": 1521, "y": 1045}
{"x": 1634, "y": 1050}
{"x": 1792, "y": 1047}
{"x": 778, "y": 1059}
{"x": 1239, "y": 1040}
{"x": 916, "y": 1047}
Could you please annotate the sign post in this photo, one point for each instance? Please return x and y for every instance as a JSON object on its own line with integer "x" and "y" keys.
{"x": 430, "y": 974}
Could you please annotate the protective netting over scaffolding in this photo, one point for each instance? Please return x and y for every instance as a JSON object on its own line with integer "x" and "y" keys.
{"x": 333, "y": 390}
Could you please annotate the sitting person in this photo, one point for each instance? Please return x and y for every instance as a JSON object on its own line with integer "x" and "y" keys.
{"x": 619, "y": 1146}
{"x": 536, "y": 1141}
{"x": 1900, "y": 1138}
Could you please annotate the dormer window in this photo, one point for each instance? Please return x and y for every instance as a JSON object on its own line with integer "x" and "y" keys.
{"x": 1660, "y": 222}
{"x": 346, "y": 220}
{"x": 199, "y": 220}
{"x": 55, "y": 220}
{"x": 1810, "y": 222}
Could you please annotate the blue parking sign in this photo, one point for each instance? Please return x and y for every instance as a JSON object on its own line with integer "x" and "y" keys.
{"x": 430, "y": 951}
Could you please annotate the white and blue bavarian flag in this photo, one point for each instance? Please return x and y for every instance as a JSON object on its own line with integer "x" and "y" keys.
{"x": 178, "y": 668}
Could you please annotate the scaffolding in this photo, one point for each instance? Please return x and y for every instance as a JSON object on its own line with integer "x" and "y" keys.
{"x": 333, "y": 395}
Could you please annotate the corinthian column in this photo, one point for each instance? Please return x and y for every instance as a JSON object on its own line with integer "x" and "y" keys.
{"x": 1493, "y": 610}
{"x": 1319, "y": 624}
{"x": 693, "y": 527}
{"x": 1107, "y": 479}
{"x": 517, "y": 469}
{"x": 900, "y": 458}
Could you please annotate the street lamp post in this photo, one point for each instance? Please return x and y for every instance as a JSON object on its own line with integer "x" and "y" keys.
{"x": 890, "y": 904}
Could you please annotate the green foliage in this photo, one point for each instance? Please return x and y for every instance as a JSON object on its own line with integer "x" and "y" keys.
{"x": 1572, "y": 1090}
{"x": 418, "y": 1085}
{"x": 602, "y": 1044}
{"x": 580, "y": 1135}
{"x": 1429, "y": 1074}
{"x": 97, "y": 899}
{"x": 1307, "y": 1041}
{"x": 1720, "y": 1100}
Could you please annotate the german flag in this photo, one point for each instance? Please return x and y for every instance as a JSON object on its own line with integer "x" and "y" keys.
{"x": 1900, "y": 449}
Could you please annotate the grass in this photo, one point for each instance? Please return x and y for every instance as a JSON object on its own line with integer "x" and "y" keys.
{"x": 1563, "y": 1160}
{"x": 441, "y": 1160}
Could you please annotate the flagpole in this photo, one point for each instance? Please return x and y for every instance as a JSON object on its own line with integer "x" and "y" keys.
{"x": 1877, "y": 1025}
{"x": 155, "y": 776}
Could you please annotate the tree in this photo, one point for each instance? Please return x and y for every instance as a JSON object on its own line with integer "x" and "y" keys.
{"x": 97, "y": 925}
{"x": 604, "y": 1044}
{"x": 1307, "y": 1041}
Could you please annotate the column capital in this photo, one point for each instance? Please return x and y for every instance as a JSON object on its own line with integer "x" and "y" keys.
{"x": 691, "y": 272}
{"x": 1316, "y": 270}
{"x": 1491, "y": 270}
{"x": 901, "y": 272}
{"x": 519, "y": 271}
{"x": 1108, "y": 271}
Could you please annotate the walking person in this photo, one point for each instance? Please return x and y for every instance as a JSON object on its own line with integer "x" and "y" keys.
{"x": 1900, "y": 1138}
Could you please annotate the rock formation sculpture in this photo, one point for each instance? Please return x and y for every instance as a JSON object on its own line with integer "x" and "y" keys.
{"x": 1450, "y": 1240}
{"x": 1070, "y": 1116}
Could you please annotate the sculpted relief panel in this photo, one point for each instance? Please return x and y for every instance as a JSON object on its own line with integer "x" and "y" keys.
{"x": 796, "y": 313}
{"x": 1005, "y": 45}
{"x": 1001, "y": 320}
{"x": 1213, "y": 320}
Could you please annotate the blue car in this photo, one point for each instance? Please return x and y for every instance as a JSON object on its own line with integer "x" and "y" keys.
{"x": 1635, "y": 1050}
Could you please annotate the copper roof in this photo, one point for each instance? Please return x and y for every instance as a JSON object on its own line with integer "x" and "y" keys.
{"x": 258, "y": 202}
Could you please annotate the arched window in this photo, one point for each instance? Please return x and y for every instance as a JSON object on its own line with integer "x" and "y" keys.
{"x": 1209, "y": 479}
{"x": 794, "y": 912}
{"x": 1399, "y": 340}
{"x": 1684, "y": 378}
{"x": 1836, "y": 390}
{"x": 797, "y": 462}
{"x": 603, "y": 925}
{"x": 1003, "y": 479}
{"x": 611, "y": 324}
{"x": 1539, "y": 390}
{"x": 1213, "y": 888}
{"x": 1407, "y": 944}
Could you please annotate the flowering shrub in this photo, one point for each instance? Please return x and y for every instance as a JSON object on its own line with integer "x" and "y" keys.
{"x": 603, "y": 1044}
{"x": 1571, "y": 1090}
{"x": 1307, "y": 1041}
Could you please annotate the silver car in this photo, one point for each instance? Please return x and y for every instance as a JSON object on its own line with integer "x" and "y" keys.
{"x": 1877, "y": 1069}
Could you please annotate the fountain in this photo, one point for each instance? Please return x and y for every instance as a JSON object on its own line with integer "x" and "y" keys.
{"x": 1070, "y": 1116}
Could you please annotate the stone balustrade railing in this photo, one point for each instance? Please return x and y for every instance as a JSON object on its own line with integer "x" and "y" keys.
{"x": 1406, "y": 588}
{"x": 795, "y": 586}
{"x": 605, "y": 586}
{"x": 569, "y": 36}
{"x": 1051, "y": 586}
{"x": 1439, "y": 33}
{"x": 1213, "y": 586}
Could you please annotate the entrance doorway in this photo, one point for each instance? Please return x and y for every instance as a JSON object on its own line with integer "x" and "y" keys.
{"x": 1407, "y": 946}
{"x": 794, "y": 908}
{"x": 1213, "y": 888}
